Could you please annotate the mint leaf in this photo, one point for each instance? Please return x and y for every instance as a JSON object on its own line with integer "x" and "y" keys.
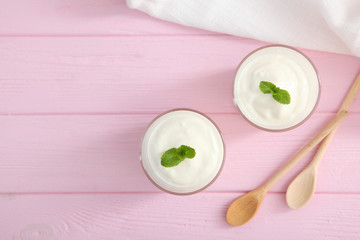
{"x": 174, "y": 156}
{"x": 171, "y": 158}
{"x": 267, "y": 87}
{"x": 187, "y": 151}
{"x": 280, "y": 95}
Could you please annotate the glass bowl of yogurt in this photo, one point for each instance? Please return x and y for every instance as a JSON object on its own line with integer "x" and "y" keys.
{"x": 287, "y": 68}
{"x": 173, "y": 129}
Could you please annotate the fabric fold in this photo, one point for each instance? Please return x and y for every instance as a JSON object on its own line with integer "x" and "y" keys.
{"x": 327, "y": 25}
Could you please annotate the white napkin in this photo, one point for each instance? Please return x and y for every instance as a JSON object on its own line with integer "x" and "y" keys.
{"x": 326, "y": 25}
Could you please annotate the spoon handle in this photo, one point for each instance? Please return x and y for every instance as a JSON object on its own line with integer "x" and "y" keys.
{"x": 316, "y": 140}
{"x": 344, "y": 107}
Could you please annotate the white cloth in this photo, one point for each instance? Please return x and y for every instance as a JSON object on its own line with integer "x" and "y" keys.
{"x": 327, "y": 25}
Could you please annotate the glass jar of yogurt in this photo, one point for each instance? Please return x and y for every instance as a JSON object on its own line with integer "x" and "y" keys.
{"x": 288, "y": 69}
{"x": 183, "y": 127}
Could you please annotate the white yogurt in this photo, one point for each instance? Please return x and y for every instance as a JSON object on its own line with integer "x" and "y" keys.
{"x": 176, "y": 128}
{"x": 286, "y": 68}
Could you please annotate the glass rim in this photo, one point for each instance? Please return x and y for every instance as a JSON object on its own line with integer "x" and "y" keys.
{"x": 318, "y": 80}
{"x": 222, "y": 162}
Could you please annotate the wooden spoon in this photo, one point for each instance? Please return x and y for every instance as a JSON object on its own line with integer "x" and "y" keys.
{"x": 302, "y": 188}
{"x": 245, "y": 207}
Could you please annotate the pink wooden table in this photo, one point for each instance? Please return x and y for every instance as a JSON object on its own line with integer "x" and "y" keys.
{"x": 79, "y": 82}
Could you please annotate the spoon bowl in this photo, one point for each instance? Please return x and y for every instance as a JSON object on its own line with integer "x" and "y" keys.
{"x": 245, "y": 207}
{"x": 302, "y": 188}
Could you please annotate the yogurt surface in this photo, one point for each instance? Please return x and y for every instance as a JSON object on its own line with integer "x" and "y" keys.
{"x": 176, "y": 128}
{"x": 288, "y": 69}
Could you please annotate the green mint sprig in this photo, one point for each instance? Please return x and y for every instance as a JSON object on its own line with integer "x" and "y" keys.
{"x": 280, "y": 95}
{"x": 174, "y": 156}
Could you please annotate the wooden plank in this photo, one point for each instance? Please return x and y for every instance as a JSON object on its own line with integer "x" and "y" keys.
{"x": 83, "y": 17}
{"x": 162, "y": 216}
{"x": 101, "y": 154}
{"x": 140, "y": 74}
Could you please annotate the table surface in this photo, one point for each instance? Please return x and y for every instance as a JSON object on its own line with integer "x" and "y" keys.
{"x": 80, "y": 81}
